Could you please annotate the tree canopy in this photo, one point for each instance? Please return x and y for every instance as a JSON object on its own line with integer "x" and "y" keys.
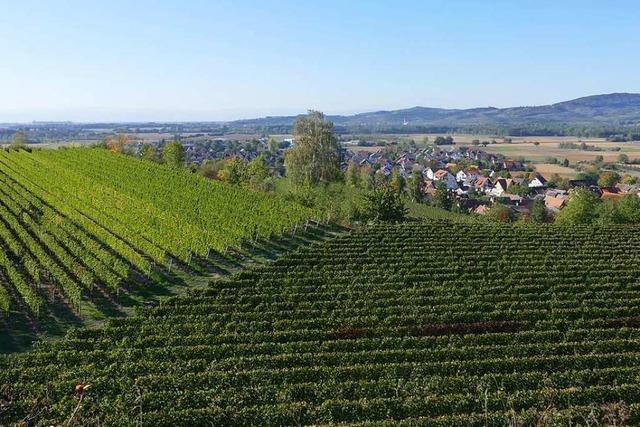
{"x": 314, "y": 157}
{"x": 173, "y": 153}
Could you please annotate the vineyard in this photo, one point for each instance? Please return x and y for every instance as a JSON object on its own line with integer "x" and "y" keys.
{"x": 78, "y": 222}
{"x": 433, "y": 323}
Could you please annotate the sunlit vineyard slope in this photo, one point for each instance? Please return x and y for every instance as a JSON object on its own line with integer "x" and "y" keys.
{"x": 72, "y": 220}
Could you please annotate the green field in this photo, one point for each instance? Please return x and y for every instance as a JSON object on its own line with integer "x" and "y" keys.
{"x": 436, "y": 323}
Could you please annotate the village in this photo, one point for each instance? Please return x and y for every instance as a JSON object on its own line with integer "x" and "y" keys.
{"x": 476, "y": 180}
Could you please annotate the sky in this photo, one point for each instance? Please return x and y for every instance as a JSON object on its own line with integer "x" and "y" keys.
{"x": 215, "y": 60}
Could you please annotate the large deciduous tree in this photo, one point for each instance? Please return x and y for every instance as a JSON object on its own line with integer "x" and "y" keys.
{"x": 314, "y": 157}
{"x": 149, "y": 152}
{"x": 19, "y": 141}
{"x": 117, "y": 143}
{"x": 581, "y": 208}
{"x": 383, "y": 205}
{"x": 173, "y": 153}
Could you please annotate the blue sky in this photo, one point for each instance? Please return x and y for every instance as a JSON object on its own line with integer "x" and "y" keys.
{"x": 218, "y": 59}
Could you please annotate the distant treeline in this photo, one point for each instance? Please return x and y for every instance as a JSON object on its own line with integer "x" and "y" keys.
{"x": 615, "y": 133}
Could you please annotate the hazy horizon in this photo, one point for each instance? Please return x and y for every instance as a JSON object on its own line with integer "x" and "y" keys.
{"x": 301, "y": 112}
{"x": 169, "y": 61}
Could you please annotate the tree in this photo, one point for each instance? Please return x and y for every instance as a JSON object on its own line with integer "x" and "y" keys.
{"x": 629, "y": 180}
{"x": 519, "y": 190}
{"x": 150, "y": 153}
{"x": 272, "y": 145}
{"x": 18, "y": 141}
{"x": 383, "y": 205}
{"x": 623, "y": 158}
{"x": 565, "y": 163}
{"x": 608, "y": 179}
{"x": 173, "y": 153}
{"x": 580, "y": 209}
{"x": 210, "y": 168}
{"x": 590, "y": 176}
{"x": 352, "y": 175}
{"x": 367, "y": 177}
{"x": 116, "y": 144}
{"x": 444, "y": 140}
{"x": 314, "y": 157}
{"x": 256, "y": 175}
{"x": 233, "y": 171}
{"x": 441, "y": 197}
{"x": 396, "y": 183}
{"x": 607, "y": 212}
{"x": 415, "y": 187}
{"x": 629, "y": 208}
{"x": 556, "y": 181}
{"x": 500, "y": 213}
{"x": 538, "y": 211}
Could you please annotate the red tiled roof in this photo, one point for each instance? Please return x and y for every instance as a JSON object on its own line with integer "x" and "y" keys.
{"x": 554, "y": 202}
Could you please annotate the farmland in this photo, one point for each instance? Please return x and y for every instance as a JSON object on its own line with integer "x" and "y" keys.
{"x": 81, "y": 223}
{"x": 435, "y": 323}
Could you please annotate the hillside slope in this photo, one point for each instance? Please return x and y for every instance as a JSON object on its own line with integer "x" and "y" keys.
{"x": 78, "y": 223}
{"x": 610, "y": 109}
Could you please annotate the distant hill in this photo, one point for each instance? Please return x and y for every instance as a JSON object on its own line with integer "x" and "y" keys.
{"x": 610, "y": 110}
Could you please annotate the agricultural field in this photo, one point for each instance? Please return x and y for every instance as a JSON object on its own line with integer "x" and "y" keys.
{"x": 549, "y": 169}
{"x": 435, "y": 323}
{"x": 79, "y": 224}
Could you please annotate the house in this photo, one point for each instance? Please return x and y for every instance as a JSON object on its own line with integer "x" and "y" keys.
{"x": 470, "y": 205}
{"x": 428, "y": 173}
{"x": 360, "y": 158}
{"x": 610, "y": 193}
{"x": 520, "y": 181}
{"x": 500, "y": 186}
{"x": 429, "y": 187}
{"x": 520, "y": 205}
{"x": 466, "y": 174}
{"x": 628, "y": 188}
{"x": 538, "y": 182}
{"x": 554, "y": 204}
{"x": 483, "y": 184}
{"x": 448, "y": 179}
{"x": 575, "y": 183}
{"x": 512, "y": 165}
{"x": 384, "y": 170}
{"x": 554, "y": 192}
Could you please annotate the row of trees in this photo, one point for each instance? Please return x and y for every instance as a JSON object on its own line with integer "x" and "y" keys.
{"x": 585, "y": 207}
{"x": 172, "y": 152}
{"x": 252, "y": 174}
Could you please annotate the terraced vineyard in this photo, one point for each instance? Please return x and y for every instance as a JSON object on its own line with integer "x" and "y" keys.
{"x": 73, "y": 221}
{"x": 424, "y": 324}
